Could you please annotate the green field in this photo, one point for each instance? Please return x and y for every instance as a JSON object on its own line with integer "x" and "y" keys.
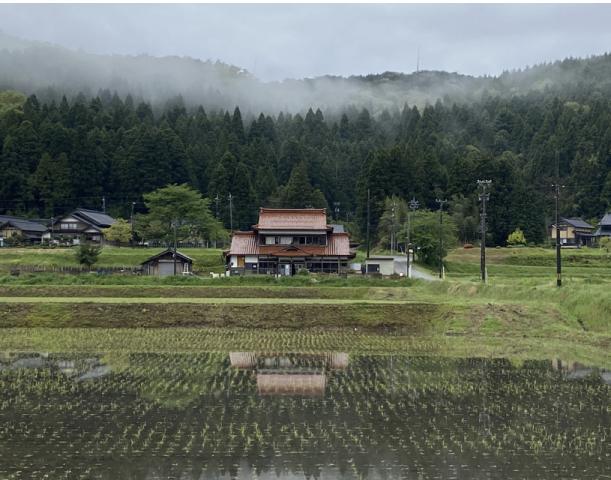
{"x": 116, "y": 257}
{"x": 520, "y": 313}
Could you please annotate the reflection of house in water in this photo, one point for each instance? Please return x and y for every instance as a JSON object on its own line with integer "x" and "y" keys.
{"x": 290, "y": 374}
{"x": 577, "y": 371}
{"x": 78, "y": 368}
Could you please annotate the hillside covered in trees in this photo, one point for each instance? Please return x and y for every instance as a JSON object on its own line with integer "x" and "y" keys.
{"x": 57, "y": 155}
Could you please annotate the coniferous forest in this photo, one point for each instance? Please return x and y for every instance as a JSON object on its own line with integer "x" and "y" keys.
{"x": 62, "y": 153}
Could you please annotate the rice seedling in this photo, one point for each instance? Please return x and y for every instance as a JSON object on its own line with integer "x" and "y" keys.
{"x": 201, "y": 414}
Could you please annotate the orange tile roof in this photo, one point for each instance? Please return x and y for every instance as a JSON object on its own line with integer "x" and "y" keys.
{"x": 292, "y": 219}
{"x": 245, "y": 243}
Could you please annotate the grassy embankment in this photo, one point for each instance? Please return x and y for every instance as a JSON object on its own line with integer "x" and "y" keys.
{"x": 519, "y": 313}
{"x": 204, "y": 259}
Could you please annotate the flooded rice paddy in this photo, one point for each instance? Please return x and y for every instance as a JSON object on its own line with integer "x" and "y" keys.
{"x": 290, "y": 416}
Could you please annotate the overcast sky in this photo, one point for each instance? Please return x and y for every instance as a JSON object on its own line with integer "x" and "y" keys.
{"x": 295, "y": 41}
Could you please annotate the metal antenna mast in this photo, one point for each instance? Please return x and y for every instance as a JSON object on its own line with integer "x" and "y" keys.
{"x": 483, "y": 197}
{"x": 441, "y": 203}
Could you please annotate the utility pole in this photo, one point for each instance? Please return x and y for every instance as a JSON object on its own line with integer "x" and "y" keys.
{"x": 368, "y": 215}
{"x": 483, "y": 197}
{"x": 52, "y": 226}
{"x": 413, "y": 206}
{"x": 131, "y": 220}
{"x": 441, "y": 204}
{"x": 557, "y": 188}
{"x": 175, "y": 225}
{"x": 103, "y": 204}
{"x": 216, "y": 200}
{"x": 230, "y": 213}
{"x": 392, "y": 228}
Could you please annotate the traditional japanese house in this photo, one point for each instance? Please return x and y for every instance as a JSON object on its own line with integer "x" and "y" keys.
{"x": 20, "y": 230}
{"x": 284, "y": 241}
{"x": 604, "y": 227}
{"x": 81, "y": 224}
{"x": 574, "y": 232}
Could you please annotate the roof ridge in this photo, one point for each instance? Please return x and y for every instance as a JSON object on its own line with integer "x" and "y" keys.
{"x": 304, "y": 210}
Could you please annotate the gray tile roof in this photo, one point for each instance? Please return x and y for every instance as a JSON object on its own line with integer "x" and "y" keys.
{"x": 23, "y": 224}
{"x": 165, "y": 252}
{"x": 99, "y": 219}
{"x": 606, "y": 220}
{"x": 577, "y": 222}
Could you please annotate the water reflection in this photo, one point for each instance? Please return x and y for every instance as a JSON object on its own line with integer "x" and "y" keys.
{"x": 200, "y": 416}
{"x": 290, "y": 374}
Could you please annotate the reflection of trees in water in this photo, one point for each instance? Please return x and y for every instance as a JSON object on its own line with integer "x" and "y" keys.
{"x": 188, "y": 416}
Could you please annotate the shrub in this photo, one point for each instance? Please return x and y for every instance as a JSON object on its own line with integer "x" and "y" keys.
{"x": 516, "y": 238}
{"x": 87, "y": 254}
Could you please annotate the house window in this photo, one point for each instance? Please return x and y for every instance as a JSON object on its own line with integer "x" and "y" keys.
{"x": 69, "y": 226}
{"x": 310, "y": 240}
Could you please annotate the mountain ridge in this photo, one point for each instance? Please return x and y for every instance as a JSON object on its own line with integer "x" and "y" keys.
{"x": 36, "y": 67}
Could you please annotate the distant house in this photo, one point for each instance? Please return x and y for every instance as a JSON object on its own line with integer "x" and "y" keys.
{"x": 574, "y": 232}
{"x": 162, "y": 264}
{"x": 15, "y": 228}
{"x": 604, "y": 227}
{"x": 284, "y": 241}
{"x": 81, "y": 224}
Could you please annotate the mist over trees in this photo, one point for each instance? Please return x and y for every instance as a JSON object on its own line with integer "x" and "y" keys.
{"x": 51, "y": 71}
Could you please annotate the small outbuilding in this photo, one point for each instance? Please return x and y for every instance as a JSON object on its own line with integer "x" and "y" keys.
{"x": 162, "y": 264}
{"x": 386, "y": 265}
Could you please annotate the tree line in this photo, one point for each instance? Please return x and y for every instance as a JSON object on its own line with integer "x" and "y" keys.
{"x": 60, "y": 155}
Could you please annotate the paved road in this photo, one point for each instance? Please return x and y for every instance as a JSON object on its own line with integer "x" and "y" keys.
{"x": 400, "y": 265}
{"x": 423, "y": 275}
